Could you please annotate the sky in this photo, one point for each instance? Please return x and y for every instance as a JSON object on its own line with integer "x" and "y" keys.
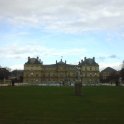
{"x": 67, "y": 29}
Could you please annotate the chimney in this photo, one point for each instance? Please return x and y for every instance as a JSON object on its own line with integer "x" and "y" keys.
{"x": 94, "y": 59}
{"x": 28, "y": 58}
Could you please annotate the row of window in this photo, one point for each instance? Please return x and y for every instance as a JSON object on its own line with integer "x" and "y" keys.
{"x": 87, "y": 68}
{"x": 84, "y": 68}
{"x": 61, "y": 75}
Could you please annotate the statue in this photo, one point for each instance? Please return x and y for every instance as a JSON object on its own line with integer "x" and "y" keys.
{"x": 78, "y": 84}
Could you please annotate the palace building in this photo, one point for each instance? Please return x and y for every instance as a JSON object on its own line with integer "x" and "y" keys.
{"x": 37, "y": 72}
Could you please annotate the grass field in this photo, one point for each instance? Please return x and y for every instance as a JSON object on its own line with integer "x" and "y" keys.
{"x": 59, "y": 105}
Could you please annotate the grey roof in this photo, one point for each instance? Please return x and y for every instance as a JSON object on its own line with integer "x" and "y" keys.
{"x": 61, "y": 62}
{"x": 88, "y": 61}
{"x": 109, "y": 69}
{"x": 33, "y": 61}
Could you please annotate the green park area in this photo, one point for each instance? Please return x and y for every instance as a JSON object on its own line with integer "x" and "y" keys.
{"x": 59, "y": 105}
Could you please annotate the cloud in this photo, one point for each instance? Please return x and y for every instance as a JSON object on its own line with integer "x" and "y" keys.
{"x": 113, "y": 56}
{"x": 70, "y": 16}
{"x": 20, "y": 51}
{"x": 17, "y": 66}
{"x": 109, "y": 61}
{"x": 115, "y": 65}
{"x": 103, "y": 58}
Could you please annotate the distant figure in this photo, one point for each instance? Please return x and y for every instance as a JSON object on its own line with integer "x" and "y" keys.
{"x": 117, "y": 83}
{"x": 13, "y": 82}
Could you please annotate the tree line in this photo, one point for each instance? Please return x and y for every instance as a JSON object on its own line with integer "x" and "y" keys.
{"x": 7, "y": 74}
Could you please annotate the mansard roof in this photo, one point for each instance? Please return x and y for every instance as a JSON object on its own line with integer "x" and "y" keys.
{"x": 61, "y": 62}
{"x": 109, "y": 69}
{"x": 34, "y": 61}
{"x": 88, "y": 61}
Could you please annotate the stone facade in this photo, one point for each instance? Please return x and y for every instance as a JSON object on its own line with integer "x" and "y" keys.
{"x": 36, "y": 72}
{"x": 89, "y": 70}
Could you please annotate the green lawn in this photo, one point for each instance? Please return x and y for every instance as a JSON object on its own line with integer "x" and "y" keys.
{"x": 59, "y": 105}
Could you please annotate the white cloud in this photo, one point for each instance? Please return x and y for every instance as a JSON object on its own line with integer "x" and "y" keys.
{"x": 18, "y": 51}
{"x": 70, "y": 16}
{"x": 65, "y": 15}
{"x": 115, "y": 65}
{"x": 17, "y": 66}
